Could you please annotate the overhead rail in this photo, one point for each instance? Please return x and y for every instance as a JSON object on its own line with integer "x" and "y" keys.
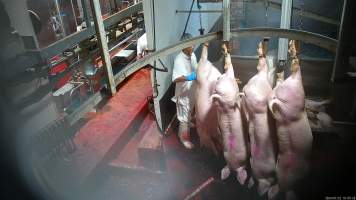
{"x": 304, "y": 36}
{"x": 131, "y": 68}
{"x": 301, "y": 57}
{"x": 307, "y": 14}
{"x": 75, "y": 38}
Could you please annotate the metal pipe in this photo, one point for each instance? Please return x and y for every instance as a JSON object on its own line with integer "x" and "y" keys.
{"x": 84, "y": 108}
{"x": 133, "y": 34}
{"x": 226, "y": 20}
{"x": 338, "y": 68}
{"x": 186, "y": 23}
{"x": 199, "y": 11}
{"x": 60, "y": 17}
{"x": 75, "y": 17}
{"x": 85, "y": 13}
{"x": 101, "y": 35}
{"x": 170, "y": 124}
{"x": 286, "y": 18}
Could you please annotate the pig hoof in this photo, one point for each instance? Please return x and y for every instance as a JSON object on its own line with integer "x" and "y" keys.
{"x": 225, "y": 172}
{"x": 273, "y": 192}
{"x": 263, "y": 187}
{"x": 188, "y": 145}
{"x": 241, "y": 175}
{"x": 251, "y": 182}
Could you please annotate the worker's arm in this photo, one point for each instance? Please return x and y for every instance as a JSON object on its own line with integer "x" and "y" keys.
{"x": 139, "y": 56}
{"x": 191, "y": 77}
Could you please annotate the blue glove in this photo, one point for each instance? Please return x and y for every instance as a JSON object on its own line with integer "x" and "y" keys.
{"x": 192, "y": 76}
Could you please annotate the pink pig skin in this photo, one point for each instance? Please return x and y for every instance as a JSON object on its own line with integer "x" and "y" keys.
{"x": 261, "y": 128}
{"x": 230, "y": 122}
{"x": 206, "y": 114}
{"x": 293, "y": 131}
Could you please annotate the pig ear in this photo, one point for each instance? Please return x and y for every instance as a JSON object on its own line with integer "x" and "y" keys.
{"x": 238, "y": 99}
{"x": 216, "y": 97}
{"x": 272, "y": 107}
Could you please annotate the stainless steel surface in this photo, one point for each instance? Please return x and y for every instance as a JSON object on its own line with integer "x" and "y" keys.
{"x": 101, "y": 35}
{"x": 84, "y": 108}
{"x": 304, "y": 36}
{"x": 286, "y": 17}
{"x": 89, "y": 68}
{"x": 85, "y": 13}
{"x": 73, "y": 39}
{"x": 60, "y": 17}
{"x": 226, "y": 20}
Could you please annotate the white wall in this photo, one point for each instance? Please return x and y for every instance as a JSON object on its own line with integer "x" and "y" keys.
{"x": 169, "y": 27}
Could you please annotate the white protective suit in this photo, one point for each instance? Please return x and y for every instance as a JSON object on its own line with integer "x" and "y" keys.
{"x": 185, "y": 91}
{"x": 142, "y": 45}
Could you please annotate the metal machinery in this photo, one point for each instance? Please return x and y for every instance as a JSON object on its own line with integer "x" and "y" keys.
{"x": 52, "y": 71}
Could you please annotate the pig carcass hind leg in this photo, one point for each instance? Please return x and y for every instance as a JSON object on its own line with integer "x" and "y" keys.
{"x": 225, "y": 172}
{"x": 241, "y": 175}
{"x": 273, "y": 191}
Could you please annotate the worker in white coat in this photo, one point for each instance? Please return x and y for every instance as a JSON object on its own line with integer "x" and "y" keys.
{"x": 185, "y": 65}
{"x": 141, "y": 46}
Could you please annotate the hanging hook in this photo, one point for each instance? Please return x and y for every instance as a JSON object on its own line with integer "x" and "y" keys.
{"x": 267, "y": 3}
{"x": 201, "y": 30}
